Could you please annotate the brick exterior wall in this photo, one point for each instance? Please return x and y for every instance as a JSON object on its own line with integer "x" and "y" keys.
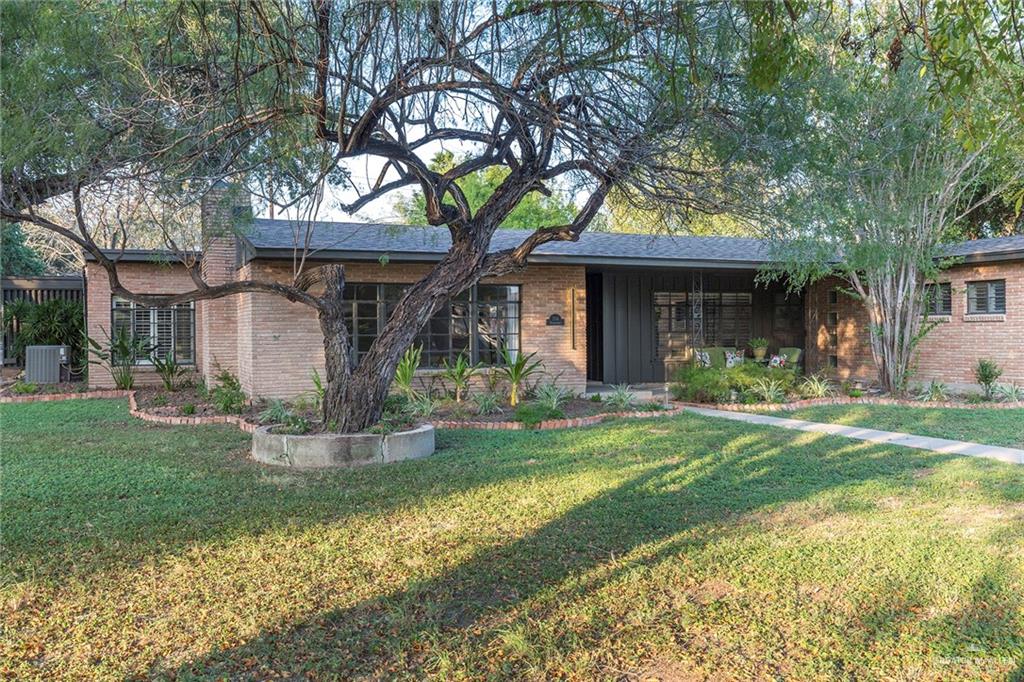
{"x": 949, "y": 352}
{"x": 218, "y": 319}
{"x": 286, "y": 343}
{"x": 141, "y": 278}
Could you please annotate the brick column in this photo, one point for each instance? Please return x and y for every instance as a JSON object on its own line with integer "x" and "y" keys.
{"x": 222, "y": 209}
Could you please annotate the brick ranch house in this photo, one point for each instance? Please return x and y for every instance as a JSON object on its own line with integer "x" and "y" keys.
{"x": 610, "y": 308}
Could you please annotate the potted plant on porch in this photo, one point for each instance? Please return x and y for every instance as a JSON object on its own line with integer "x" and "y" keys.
{"x": 760, "y": 347}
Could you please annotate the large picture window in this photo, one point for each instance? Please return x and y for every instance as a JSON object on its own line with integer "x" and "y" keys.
{"x": 477, "y": 323}
{"x": 170, "y": 331}
{"x": 986, "y": 297}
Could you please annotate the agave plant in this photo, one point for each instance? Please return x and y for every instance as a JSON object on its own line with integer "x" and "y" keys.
{"x": 517, "y": 371}
{"x": 1010, "y": 393}
{"x": 621, "y": 397}
{"x": 816, "y": 386}
{"x": 768, "y": 390}
{"x": 551, "y": 395}
{"x": 935, "y": 392}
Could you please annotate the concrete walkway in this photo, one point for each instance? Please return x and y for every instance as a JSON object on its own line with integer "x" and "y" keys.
{"x": 951, "y": 447}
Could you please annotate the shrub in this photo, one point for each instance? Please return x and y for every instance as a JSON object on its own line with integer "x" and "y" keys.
{"x": 24, "y": 388}
{"x": 621, "y": 397}
{"x": 460, "y": 373}
{"x": 227, "y": 396}
{"x": 188, "y": 409}
{"x": 701, "y": 385}
{"x": 768, "y": 390}
{"x": 168, "y": 369}
{"x": 596, "y": 398}
{"x": 294, "y": 424}
{"x": 551, "y": 395}
{"x": 816, "y": 386}
{"x": 56, "y": 322}
{"x": 397, "y": 403}
{"x": 517, "y": 371}
{"x": 405, "y": 373}
{"x": 987, "y": 372}
{"x": 717, "y": 385}
{"x": 159, "y": 400}
{"x": 1010, "y": 393}
{"x": 532, "y": 414}
{"x": 855, "y": 393}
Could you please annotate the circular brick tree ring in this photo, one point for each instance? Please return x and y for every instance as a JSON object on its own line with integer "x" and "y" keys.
{"x": 327, "y": 450}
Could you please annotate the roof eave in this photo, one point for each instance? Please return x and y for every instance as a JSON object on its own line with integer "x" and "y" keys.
{"x": 536, "y": 258}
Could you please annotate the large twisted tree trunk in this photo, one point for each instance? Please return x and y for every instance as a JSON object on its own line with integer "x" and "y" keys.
{"x": 354, "y": 395}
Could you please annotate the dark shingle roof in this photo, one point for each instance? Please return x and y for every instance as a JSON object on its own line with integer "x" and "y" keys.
{"x": 370, "y": 241}
{"x": 987, "y": 249}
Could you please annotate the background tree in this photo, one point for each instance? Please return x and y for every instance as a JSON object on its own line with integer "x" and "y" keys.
{"x": 18, "y": 259}
{"x": 875, "y": 180}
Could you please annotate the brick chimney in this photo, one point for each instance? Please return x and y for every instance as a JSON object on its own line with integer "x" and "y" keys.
{"x": 225, "y": 210}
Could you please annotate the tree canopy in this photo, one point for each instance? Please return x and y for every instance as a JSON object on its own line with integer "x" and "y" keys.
{"x": 18, "y": 259}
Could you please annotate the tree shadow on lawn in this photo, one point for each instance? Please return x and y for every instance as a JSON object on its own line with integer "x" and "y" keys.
{"x": 93, "y": 497}
{"x": 682, "y": 500}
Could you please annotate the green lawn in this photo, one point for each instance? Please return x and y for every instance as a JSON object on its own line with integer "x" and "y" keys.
{"x": 989, "y": 426}
{"x": 671, "y": 548}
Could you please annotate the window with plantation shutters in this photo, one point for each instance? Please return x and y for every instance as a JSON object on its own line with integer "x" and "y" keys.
{"x": 938, "y": 299}
{"x": 986, "y": 298}
{"x": 169, "y": 331}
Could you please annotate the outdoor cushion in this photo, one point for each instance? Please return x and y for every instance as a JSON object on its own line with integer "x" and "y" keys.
{"x": 733, "y": 359}
{"x": 717, "y": 355}
{"x": 777, "y": 361}
{"x": 703, "y": 359}
{"x": 793, "y": 354}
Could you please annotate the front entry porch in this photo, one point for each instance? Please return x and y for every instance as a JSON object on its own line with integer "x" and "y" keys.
{"x": 642, "y": 325}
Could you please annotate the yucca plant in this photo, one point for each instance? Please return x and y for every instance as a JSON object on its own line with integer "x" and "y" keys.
{"x": 517, "y": 371}
{"x": 405, "y": 373}
{"x": 460, "y": 373}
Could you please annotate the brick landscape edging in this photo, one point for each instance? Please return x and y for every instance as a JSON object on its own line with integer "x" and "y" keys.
{"x": 172, "y": 420}
{"x": 813, "y": 402}
{"x": 48, "y": 397}
{"x": 553, "y": 424}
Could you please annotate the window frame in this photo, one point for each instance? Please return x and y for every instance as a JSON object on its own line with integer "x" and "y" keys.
{"x": 991, "y": 296}
{"x": 131, "y": 309}
{"x": 383, "y": 300}
{"x": 944, "y": 298}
